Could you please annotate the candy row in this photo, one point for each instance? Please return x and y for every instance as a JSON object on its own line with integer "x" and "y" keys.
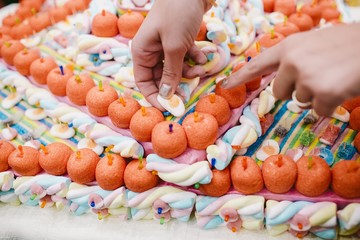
{"x": 164, "y": 203}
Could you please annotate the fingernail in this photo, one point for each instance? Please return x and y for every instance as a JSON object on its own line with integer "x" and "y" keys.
{"x": 224, "y": 82}
{"x": 165, "y": 90}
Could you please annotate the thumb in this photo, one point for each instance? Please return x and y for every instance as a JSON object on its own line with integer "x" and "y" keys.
{"x": 172, "y": 71}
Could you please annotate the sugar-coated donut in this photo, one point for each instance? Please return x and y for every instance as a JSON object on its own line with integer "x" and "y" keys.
{"x": 53, "y": 158}
{"x": 314, "y": 176}
{"x": 143, "y": 122}
{"x": 235, "y": 96}
{"x": 105, "y": 25}
{"x": 201, "y": 130}
{"x": 215, "y": 105}
{"x": 25, "y": 161}
{"x": 168, "y": 139}
{"x": 137, "y": 178}
{"x": 121, "y": 111}
{"x": 346, "y": 178}
{"x": 246, "y": 175}
{"x": 6, "y": 148}
{"x": 81, "y": 166}
{"x": 109, "y": 172}
{"x": 57, "y": 80}
{"x": 99, "y": 99}
{"x": 219, "y": 185}
{"x": 40, "y": 68}
{"x": 279, "y": 173}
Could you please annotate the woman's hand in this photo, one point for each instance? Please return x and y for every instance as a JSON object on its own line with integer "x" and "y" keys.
{"x": 322, "y": 66}
{"x": 163, "y": 40}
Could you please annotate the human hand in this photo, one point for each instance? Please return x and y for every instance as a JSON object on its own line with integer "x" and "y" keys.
{"x": 168, "y": 34}
{"x": 322, "y": 66}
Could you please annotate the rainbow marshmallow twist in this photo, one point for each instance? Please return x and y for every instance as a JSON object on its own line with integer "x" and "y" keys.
{"x": 233, "y": 211}
{"x": 161, "y": 204}
{"x": 349, "y": 220}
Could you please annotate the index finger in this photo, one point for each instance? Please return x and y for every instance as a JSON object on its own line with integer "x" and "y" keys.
{"x": 265, "y": 63}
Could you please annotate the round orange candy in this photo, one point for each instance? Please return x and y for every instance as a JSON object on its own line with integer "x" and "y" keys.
{"x": 246, "y": 175}
{"x": 219, "y": 185}
{"x": 9, "y": 49}
{"x": 279, "y": 173}
{"x": 81, "y": 166}
{"x": 235, "y": 96}
{"x": 346, "y": 178}
{"x": 287, "y": 7}
{"x": 109, "y": 172}
{"x": 98, "y": 100}
{"x": 22, "y": 30}
{"x": 11, "y": 20}
{"x": 202, "y": 32}
{"x": 53, "y": 159}
{"x": 121, "y": 111}
{"x": 77, "y": 87}
{"x": 354, "y": 122}
{"x": 143, "y": 122}
{"x": 314, "y": 176}
{"x": 324, "y": 4}
{"x": 215, "y": 105}
{"x": 357, "y": 142}
{"x": 35, "y": 4}
{"x": 57, "y": 81}
{"x": 24, "y": 59}
{"x": 286, "y": 29}
{"x": 252, "y": 85}
{"x": 137, "y": 178}
{"x": 76, "y": 5}
{"x": 168, "y": 139}
{"x": 40, "y": 21}
{"x": 302, "y": 20}
{"x": 268, "y": 40}
{"x": 201, "y": 130}
{"x": 3, "y": 38}
{"x": 5, "y": 30}
{"x": 25, "y": 161}
{"x": 24, "y": 12}
{"x": 352, "y": 103}
{"x": 105, "y": 25}
{"x": 6, "y": 149}
{"x": 314, "y": 11}
{"x": 268, "y": 5}
{"x": 251, "y": 52}
{"x": 129, "y": 23}
{"x": 330, "y": 14}
{"x": 40, "y": 68}
{"x": 58, "y": 14}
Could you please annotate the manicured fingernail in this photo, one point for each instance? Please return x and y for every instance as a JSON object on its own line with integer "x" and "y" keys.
{"x": 165, "y": 90}
{"x": 224, "y": 82}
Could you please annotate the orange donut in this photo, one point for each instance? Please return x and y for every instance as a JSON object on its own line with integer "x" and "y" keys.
{"x": 143, "y": 122}
{"x": 99, "y": 99}
{"x": 235, "y": 96}
{"x": 215, "y": 105}
{"x": 354, "y": 122}
{"x": 246, "y": 175}
{"x": 105, "y": 25}
{"x": 286, "y": 29}
{"x": 81, "y": 166}
{"x": 121, "y": 111}
{"x": 25, "y": 161}
{"x": 109, "y": 172}
{"x": 314, "y": 176}
{"x": 24, "y": 59}
{"x": 357, "y": 142}
{"x": 270, "y": 39}
{"x": 287, "y": 7}
{"x": 201, "y": 36}
{"x": 57, "y": 80}
{"x": 168, "y": 139}
{"x": 10, "y": 49}
{"x": 346, "y": 178}
{"x": 314, "y": 11}
{"x": 302, "y": 20}
{"x": 201, "y": 130}
{"x": 279, "y": 173}
{"x": 6, "y": 149}
{"x": 352, "y": 103}
{"x": 129, "y": 23}
{"x": 40, "y": 68}
{"x": 219, "y": 185}
{"x": 77, "y": 87}
{"x": 40, "y": 21}
{"x": 53, "y": 158}
{"x": 137, "y": 178}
